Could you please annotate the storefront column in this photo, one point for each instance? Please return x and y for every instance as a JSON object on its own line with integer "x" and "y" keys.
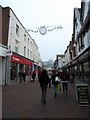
{"x": 82, "y": 74}
{"x": 24, "y": 67}
{"x": 78, "y": 71}
{"x": 18, "y": 72}
{"x": 7, "y": 70}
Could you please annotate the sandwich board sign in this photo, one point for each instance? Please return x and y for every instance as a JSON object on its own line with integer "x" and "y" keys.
{"x": 82, "y": 94}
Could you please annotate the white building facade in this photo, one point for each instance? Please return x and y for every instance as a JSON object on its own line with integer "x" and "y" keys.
{"x": 22, "y": 51}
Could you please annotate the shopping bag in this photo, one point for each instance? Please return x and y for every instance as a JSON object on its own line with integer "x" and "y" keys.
{"x": 59, "y": 87}
{"x": 57, "y": 79}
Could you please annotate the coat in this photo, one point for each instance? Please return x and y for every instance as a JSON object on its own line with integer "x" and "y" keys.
{"x": 44, "y": 79}
{"x": 64, "y": 76}
{"x": 53, "y": 79}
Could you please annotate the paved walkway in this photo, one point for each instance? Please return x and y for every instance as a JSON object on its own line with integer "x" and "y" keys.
{"x": 22, "y": 100}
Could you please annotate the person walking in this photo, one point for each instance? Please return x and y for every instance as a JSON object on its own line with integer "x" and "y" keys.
{"x": 33, "y": 75}
{"x": 50, "y": 77}
{"x": 39, "y": 72}
{"x": 65, "y": 78}
{"x": 43, "y": 80}
{"x": 24, "y": 76}
{"x": 20, "y": 74}
{"x": 55, "y": 81}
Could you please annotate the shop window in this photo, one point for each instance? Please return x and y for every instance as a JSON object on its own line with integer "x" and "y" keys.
{"x": 86, "y": 70}
{"x": 13, "y": 71}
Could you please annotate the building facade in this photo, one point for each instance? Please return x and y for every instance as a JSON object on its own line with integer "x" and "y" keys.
{"x": 21, "y": 50}
{"x": 79, "y": 47}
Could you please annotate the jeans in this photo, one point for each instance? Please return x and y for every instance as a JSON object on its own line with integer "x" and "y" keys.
{"x": 56, "y": 88}
{"x": 65, "y": 86}
{"x": 44, "y": 90}
{"x": 50, "y": 84}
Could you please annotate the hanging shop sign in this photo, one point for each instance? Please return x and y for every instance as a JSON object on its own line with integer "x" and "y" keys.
{"x": 82, "y": 94}
{"x": 8, "y": 52}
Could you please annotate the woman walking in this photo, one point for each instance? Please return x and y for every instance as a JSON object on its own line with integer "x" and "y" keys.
{"x": 55, "y": 81}
{"x": 44, "y": 80}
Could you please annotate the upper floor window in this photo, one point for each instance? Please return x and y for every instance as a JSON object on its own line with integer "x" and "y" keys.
{"x": 17, "y": 29}
{"x": 76, "y": 24}
{"x": 74, "y": 51}
{"x": 24, "y": 51}
{"x": 80, "y": 43}
{"x": 31, "y": 42}
{"x": 16, "y": 46}
{"x": 28, "y": 53}
{"x": 24, "y": 37}
{"x": 31, "y": 54}
{"x": 28, "y": 41}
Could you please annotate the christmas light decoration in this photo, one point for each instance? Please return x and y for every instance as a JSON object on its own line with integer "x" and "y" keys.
{"x": 43, "y": 29}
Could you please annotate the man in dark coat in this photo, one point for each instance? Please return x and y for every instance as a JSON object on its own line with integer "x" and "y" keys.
{"x": 20, "y": 74}
{"x": 24, "y": 76}
{"x": 65, "y": 78}
{"x": 44, "y": 80}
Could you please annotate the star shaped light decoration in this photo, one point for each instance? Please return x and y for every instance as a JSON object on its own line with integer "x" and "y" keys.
{"x": 43, "y": 29}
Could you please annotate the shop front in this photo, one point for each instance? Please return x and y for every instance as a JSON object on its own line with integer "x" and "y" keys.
{"x": 19, "y": 63}
{"x": 80, "y": 66}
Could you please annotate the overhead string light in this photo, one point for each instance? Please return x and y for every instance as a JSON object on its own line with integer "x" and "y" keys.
{"x": 43, "y": 29}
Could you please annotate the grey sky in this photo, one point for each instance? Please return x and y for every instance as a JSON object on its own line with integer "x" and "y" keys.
{"x": 35, "y": 13}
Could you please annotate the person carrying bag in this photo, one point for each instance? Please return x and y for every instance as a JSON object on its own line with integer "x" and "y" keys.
{"x": 57, "y": 79}
{"x": 56, "y": 82}
{"x": 59, "y": 87}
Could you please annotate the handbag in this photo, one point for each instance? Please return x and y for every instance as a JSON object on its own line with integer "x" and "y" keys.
{"x": 57, "y": 79}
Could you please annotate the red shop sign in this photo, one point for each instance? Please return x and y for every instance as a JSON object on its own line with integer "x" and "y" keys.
{"x": 20, "y": 60}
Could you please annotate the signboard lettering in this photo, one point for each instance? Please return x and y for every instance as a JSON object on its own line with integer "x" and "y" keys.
{"x": 82, "y": 94}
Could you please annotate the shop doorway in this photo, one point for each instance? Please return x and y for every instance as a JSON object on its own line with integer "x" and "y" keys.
{"x": 13, "y": 71}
